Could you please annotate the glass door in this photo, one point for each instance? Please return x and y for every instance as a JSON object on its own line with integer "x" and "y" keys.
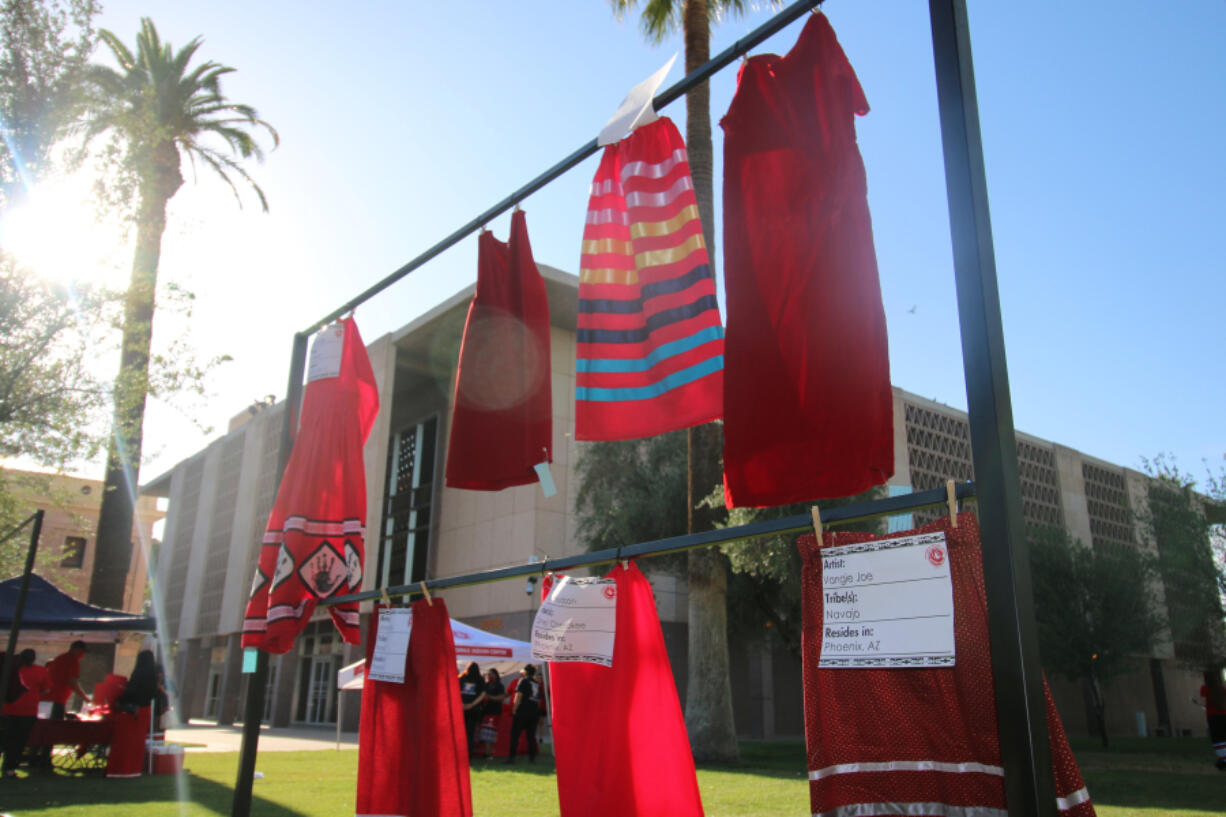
{"x": 321, "y": 693}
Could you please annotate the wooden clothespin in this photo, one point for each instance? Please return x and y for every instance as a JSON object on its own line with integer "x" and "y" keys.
{"x": 817, "y": 523}
{"x": 952, "y": 498}
{"x": 517, "y": 208}
{"x": 425, "y": 591}
{"x": 383, "y": 597}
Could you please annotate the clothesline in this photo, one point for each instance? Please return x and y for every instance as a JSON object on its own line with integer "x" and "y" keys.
{"x": 1015, "y": 666}
{"x": 670, "y": 94}
{"x": 721, "y": 536}
{"x": 254, "y": 705}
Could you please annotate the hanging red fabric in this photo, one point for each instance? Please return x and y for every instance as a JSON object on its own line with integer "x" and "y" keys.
{"x": 412, "y": 749}
{"x": 915, "y": 741}
{"x": 502, "y": 414}
{"x": 314, "y": 544}
{"x": 620, "y": 743}
{"x": 808, "y": 412}
{"x": 650, "y": 353}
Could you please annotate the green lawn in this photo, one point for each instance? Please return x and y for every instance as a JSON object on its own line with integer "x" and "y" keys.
{"x": 1136, "y": 778}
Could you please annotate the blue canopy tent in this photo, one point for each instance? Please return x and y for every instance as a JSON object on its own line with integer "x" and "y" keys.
{"x": 49, "y": 608}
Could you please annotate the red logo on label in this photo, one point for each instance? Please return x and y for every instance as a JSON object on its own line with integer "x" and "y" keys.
{"x": 936, "y": 555}
{"x": 610, "y": 592}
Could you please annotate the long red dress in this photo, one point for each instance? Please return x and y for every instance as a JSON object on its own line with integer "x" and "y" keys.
{"x": 807, "y": 402}
{"x": 502, "y": 414}
{"x": 314, "y": 545}
{"x": 915, "y": 741}
{"x": 619, "y": 736}
{"x": 412, "y": 749}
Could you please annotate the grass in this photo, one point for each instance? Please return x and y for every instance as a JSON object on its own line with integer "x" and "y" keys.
{"x": 1135, "y": 778}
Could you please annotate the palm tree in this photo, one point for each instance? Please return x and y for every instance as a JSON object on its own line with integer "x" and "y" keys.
{"x": 160, "y": 108}
{"x": 708, "y": 698}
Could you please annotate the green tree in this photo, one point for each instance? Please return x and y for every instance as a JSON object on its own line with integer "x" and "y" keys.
{"x": 44, "y": 48}
{"x": 1215, "y": 513}
{"x": 631, "y": 491}
{"x": 47, "y": 395}
{"x": 1174, "y": 516}
{"x": 765, "y": 587}
{"x": 708, "y": 704}
{"x": 1096, "y": 610}
{"x": 160, "y": 107}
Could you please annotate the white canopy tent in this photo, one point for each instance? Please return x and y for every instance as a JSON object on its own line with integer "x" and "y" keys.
{"x": 471, "y": 644}
{"x": 489, "y": 650}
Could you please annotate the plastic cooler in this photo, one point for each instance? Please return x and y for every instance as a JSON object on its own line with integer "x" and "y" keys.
{"x": 163, "y": 758}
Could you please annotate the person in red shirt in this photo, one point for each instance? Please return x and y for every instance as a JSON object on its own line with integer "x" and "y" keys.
{"x": 1215, "y": 714}
{"x": 20, "y": 715}
{"x": 65, "y": 673}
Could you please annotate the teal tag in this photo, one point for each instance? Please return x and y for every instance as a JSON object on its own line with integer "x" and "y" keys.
{"x": 546, "y": 478}
{"x": 250, "y": 655}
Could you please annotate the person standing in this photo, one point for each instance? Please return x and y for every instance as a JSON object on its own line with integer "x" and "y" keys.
{"x": 495, "y": 692}
{"x": 472, "y": 696}
{"x": 142, "y": 686}
{"x": 64, "y": 672}
{"x": 525, "y": 711}
{"x": 21, "y": 714}
{"x": 1215, "y": 715}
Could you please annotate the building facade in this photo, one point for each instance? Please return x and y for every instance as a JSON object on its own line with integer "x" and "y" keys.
{"x": 417, "y": 528}
{"x": 65, "y": 557}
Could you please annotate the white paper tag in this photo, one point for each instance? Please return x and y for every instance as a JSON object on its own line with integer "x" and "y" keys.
{"x": 326, "y": 351}
{"x": 636, "y": 109}
{"x": 888, "y": 603}
{"x": 391, "y": 645}
{"x": 577, "y": 622}
{"x": 546, "y": 478}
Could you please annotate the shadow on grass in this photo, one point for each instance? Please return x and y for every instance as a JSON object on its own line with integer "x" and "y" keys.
{"x": 57, "y": 790}
{"x": 784, "y": 759}
{"x": 543, "y": 767}
{"x": 1173, "y": 773}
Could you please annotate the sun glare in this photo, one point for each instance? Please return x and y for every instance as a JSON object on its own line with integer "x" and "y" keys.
{"x": 54, "y": 233}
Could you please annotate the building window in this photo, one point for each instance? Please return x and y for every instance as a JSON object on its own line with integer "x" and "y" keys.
{"x": 320, "y": 648}
{"x": 74, "y": 552}
{"x": 405, "y": 534}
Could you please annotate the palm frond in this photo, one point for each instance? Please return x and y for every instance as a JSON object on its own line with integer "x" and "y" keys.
{"x": 122, "y": 55}
{"x": 223, "y": 165}
{"x": 159, "y": 97}
{"x": 663, "y": 17}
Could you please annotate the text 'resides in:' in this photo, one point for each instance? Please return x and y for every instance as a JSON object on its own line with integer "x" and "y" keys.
{"x": 391, "y": 645}
{"x": 888, "y": 603}
{"x": 577, "y": 622}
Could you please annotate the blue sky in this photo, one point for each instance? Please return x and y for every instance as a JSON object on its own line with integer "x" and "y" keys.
{"x": 1102, "y": 126}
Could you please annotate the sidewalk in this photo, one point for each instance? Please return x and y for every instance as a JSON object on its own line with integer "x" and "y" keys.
{"x": 207, "y": 736}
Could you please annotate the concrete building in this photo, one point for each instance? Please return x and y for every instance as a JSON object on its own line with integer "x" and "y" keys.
{"x": 417, "y": 528}
{"x": 66, "y": 559}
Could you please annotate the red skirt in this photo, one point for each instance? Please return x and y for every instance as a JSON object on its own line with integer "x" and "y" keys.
{"x": 127, "y": 755}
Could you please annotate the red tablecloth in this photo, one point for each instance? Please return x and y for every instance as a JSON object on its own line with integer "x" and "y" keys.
{"x": 71, "y": 733}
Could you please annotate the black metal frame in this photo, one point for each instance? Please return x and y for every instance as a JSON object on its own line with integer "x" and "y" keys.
{"x": 36, "y": 521}
{"x": 799, "y": 523}
{"x": 1017, "y": 678}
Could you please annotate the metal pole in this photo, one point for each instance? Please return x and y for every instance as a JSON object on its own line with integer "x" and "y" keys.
{"x": 20, "y": 607}
{"x": 253, "y": 712}
{"x": 671, "y": 94}
{"x": 676, "y": 544}
{"x": 1018, "y": 681}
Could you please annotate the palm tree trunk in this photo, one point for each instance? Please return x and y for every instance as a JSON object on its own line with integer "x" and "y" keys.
{"x": 708, "y": 698}
{"x": 113, "y": 550}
